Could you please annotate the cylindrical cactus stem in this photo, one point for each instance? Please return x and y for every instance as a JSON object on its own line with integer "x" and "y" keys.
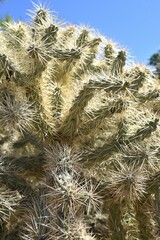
{"x": 145, "y": 131}
{"x": 109, "y": 53}
{"x": 115, "y": 222}
{"x": 50, "y": 34}
{"x": 145, "y": 226}
{"x": 72, "y": 121}
{"x": 139, "y": 78}
{"x": 98, "y": 116}
{"x": 82, "y": 39}
{"x": 154, "y": 189}
{"x": 157, "y": 211}
{"x": 129, "y": 222}
{"x": 99, "y": 155}
{"x": 118, "y": 64}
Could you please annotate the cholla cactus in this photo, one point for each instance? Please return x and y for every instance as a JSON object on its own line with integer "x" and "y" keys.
{"x": 79, "y": 136}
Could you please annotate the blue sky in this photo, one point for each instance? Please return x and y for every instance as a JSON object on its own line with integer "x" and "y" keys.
{"x": 134, "y": 24}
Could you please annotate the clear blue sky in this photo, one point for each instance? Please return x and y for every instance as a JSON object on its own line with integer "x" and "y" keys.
{"x": 134, "y": 24}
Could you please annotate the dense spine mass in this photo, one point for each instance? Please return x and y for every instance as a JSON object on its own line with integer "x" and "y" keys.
{"x": 79, "y": 136}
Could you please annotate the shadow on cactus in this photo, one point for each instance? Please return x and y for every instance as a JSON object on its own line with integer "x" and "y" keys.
{"x": 79, "y": 136}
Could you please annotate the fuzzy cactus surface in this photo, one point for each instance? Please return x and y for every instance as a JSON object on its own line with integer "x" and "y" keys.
{"x": 79, "y": 136}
